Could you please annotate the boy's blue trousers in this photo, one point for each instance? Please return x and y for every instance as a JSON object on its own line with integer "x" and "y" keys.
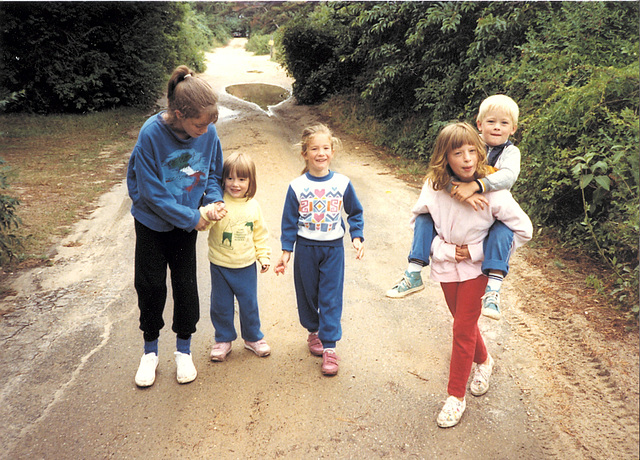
{"x": 318, "y": 274}
{"x": 241, "y": 283}
{"x": 496, "y": 246}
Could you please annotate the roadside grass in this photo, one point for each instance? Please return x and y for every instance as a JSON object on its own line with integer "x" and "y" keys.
{"x": 57, "y": 166}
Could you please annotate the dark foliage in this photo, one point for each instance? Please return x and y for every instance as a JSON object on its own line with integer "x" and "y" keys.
{"x": 88, "y": 56}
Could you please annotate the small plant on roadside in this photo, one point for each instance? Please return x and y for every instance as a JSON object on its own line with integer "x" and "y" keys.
{"x": 9, "y": 241}
{"x": 259, "y": 44}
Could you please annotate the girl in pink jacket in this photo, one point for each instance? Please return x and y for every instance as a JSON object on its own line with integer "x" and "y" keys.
{"x": 457, "y": 254}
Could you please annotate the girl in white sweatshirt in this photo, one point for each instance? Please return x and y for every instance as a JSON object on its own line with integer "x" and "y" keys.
{"x": 457, "y": 254}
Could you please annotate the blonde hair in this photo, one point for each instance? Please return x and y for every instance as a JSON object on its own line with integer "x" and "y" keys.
{"x": 244, "y": 167}
{"x": 499, "y": 103}
{"x": 311, "y": 131}
{"x": 190, "y": 95}
{"x": 451, "y": 137}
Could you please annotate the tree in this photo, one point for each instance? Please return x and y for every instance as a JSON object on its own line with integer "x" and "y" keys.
{"x": 79, "y": 56}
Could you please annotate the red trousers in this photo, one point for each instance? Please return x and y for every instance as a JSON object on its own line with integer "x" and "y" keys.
{"x": 463, "y": 300}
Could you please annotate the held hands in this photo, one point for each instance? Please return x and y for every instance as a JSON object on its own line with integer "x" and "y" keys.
{"x": 467, "y": 191}
{"x": 462, "y": 253}
{"x": 202, "y": 224}
{"x": 213, "y": 212}
{"x": 463, "y": 190}
{"x": 216, "y": 211}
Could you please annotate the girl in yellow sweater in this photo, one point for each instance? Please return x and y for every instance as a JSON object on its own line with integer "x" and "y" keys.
{"x": 237, "y": 243}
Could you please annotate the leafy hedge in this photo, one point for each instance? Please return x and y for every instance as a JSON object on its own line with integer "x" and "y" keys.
{"x": 89, "y": 56}
{"x": 571, "y": 66}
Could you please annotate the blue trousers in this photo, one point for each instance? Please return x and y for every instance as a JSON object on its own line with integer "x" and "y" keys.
{"x": 496, "y": 246}
{"x": 241, "y": 283}
{"x": 318, "y": 275}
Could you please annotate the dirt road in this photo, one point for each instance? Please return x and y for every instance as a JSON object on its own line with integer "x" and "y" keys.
{"x": 70, "y": 349}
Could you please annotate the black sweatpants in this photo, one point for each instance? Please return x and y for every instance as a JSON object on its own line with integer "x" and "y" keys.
{"x": 154, "y": 252}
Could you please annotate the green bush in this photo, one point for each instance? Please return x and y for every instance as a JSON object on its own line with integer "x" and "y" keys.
{"x": 259, "y": 44}
{"x": 8, "y": 222}
{"x": 89, "y": 56}
{"x": 315, "y": 78}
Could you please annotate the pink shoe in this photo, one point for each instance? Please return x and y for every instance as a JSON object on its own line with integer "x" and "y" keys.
{"x": 220, "y": 350}
{"x": 260, "y": 348}
{"x": 330, "y": 362}
{"x": 315, "y": 345}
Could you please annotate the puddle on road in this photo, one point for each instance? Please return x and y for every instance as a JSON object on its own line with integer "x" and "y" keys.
{"x": 262, "y": 94}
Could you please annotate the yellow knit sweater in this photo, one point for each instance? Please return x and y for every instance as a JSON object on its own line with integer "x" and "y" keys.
{"x": 239, "y": 238}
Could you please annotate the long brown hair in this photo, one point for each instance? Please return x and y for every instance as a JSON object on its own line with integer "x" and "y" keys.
{"x": 190, "y": 95}
{"x": 451, "y": 137}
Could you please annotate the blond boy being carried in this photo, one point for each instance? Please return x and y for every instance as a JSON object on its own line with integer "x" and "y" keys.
{"x": 497, "y": 120}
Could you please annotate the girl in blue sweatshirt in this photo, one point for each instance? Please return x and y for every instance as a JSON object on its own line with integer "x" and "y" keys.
{"x": 175, "y": 167}
{"x": 312, "y": 221}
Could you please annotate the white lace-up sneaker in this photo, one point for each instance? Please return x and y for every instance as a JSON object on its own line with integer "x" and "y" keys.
{"x": 451, "y": 412}
{"x": 146, "y": 374}
{"x": 186, "y": 371}
{"x": 482, "y": 374}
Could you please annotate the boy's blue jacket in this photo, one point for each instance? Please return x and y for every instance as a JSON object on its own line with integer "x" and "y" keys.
{"x": 170, "y": 178}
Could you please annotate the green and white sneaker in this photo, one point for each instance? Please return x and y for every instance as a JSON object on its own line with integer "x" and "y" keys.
{"x": 491, "y": 304}
{"x": 411, "y": 282}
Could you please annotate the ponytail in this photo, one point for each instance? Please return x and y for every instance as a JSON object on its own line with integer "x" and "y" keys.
{"x": 190, "y": 95}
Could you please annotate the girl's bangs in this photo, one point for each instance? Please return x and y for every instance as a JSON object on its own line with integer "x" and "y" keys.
{"x": 241, "y": 169}
{"x": 460, "y": 137}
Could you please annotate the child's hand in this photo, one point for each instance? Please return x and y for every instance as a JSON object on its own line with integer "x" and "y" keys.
{"x": 265, "y": 268}
{"x": 461, "y": 191}
{"x": 359, "y": 246}
{"x": 462, "y": 253}
{"x": 282, "y": 263}
{"x": 202, "y": 224}
{"x": 221, "y": 208}
{"x": 217, "y": 212}
{"x": 477, "y": 201}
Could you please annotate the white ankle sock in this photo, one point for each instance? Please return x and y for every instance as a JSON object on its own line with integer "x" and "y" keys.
{"x": 495, "y": 281}
{"x": 411, "y": 268}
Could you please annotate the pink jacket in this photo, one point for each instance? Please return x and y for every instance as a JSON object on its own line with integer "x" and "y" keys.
{"x": 458, "y": 224}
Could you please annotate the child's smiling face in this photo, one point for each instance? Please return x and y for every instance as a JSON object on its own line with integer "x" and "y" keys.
{"x": 463, "y": 161}
{"x": 496, "y": 127}
{"x": 319, "y": 154}
{"x": 236, "y": 186}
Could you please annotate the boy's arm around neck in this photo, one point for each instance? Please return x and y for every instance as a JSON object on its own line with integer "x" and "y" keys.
{"x": 508, "y": 166}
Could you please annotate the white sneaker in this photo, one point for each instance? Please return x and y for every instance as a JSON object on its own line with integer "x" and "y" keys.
{"x": 186, "y": 371}
{"x": 146, "y": 374}
{"x": 480, "y": 383}
{"x": 451, "y": 412}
